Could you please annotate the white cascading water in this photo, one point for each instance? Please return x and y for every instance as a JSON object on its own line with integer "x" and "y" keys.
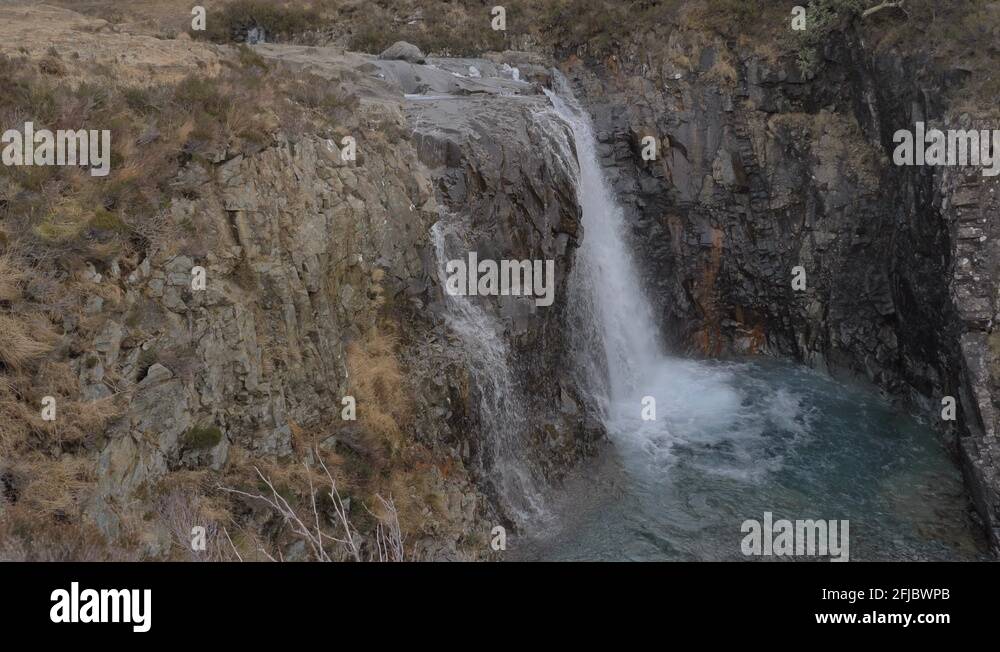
{"x": 617, "y": 358}
{"x": 604, "y": 266}
{"x": 612, "y": 312}
{"x": 488, "y": 359}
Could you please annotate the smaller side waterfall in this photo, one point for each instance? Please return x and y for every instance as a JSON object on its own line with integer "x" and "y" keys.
{"x": 488, "y": 358}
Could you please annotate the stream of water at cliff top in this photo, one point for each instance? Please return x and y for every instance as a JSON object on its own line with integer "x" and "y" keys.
{"x": 731, "y": 440}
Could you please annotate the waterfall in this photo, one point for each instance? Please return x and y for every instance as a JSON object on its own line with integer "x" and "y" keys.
{"x": 619, "y": 360}
{"x": 608, "y": 305}
{"x": 489, "y": 361}
{"x": 727, "y": 439}
{"x": 611, "y": 323}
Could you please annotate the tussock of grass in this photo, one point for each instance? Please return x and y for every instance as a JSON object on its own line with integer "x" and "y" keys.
{"x": 11, "y": 277}
{"x": 378, "y": 385}
{"x": 25, "y": 536}
{"x": 53, "y": 487}
{"x": 723, "y": 73}
{"x": 18, "y": 346}
{"x": 15, "y": 422}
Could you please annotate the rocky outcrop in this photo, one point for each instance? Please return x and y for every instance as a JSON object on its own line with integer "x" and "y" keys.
{"x": 401, "y": 50}
{"x": 969, "y": 203}
{"x": 304, "y": 252}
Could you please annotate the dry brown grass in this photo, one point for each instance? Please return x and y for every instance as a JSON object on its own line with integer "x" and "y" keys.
{"x": 78, "y": 423}
{"x": 417, "y": 491}
{"x": 18, "y": 345}
{"x": 16, "y": 421}
{"x": 680, "y": 60}
{"x": 27, "y": 536}
{"x": 11, "y": 277}
{"x": 723, "y": 72}
{"x": 767, "y": 49}
{"x": 757, "y": 19}
{"x": 378, "y": 385}
{"x": 184, "y": 500}
{"x": 52, "y": 487}
{"x": 82, "y": 422}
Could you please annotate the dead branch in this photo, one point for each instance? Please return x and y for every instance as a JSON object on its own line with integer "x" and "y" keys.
{"x": 389, "y": 545}
{"x": 388, "y": 535}
{"x": 338, "y": 507}
{"x": 885, "y": 5}
{"x": 278, "y": 503}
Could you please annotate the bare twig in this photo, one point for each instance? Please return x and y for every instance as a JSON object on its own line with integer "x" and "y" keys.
{"x": 338, "y": 507}
{"x": 278, "y": 503}
{"x": 885, "y": 5}
{"x": 389, "y": 544}
{"x": 228, "y": 538}
{"x": 388, "y": 534}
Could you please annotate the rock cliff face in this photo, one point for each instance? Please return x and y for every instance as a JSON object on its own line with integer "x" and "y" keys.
{"x": 304, "y": 253}
{"x": 760, "y": 170}
{"x": 299, "y": 253}
{"x": 307, "y": 252}
{"x": 500, "y": 168}
{"x": 320, "y": 272}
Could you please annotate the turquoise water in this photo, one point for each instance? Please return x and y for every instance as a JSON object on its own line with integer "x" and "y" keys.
{"x": 735, "y": 439}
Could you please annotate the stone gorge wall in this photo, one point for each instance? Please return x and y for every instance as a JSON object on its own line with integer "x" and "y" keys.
{"x": 761, "y": 170}
{"x": 969, "y": 203}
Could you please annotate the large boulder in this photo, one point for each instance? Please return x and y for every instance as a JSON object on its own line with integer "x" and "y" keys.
{"x": 404, "y": 51}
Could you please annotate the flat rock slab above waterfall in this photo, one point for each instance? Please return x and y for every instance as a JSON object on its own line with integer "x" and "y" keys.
{"x": 449, "y": 102}
{"x": 381, "y": 79}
